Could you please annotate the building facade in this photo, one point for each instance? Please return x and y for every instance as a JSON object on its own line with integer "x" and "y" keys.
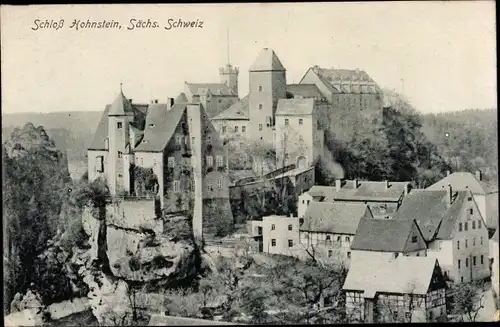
{"x": 454, "y": 230}
{"x": 402, "y": 290}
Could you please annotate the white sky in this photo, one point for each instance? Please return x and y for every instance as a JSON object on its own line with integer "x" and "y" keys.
{"x": 444, "y": 51}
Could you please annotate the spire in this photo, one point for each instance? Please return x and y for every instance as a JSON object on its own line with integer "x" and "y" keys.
{"x": 121, "y": 106}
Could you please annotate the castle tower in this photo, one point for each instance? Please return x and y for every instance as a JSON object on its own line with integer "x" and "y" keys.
{"x": 267, "y": 86}
{"x": 120, "y": 114}
{"x": 229, "y": 76}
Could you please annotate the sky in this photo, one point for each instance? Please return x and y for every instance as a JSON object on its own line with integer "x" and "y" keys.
{"x": 440, "y": 55}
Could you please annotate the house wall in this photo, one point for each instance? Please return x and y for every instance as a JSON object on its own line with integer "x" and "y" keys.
{"x": 230, "y": 128}
{"x": 281, "y": 234}
{"x": 92, "y": 165}
{"x": 303, "y": 203}
{"x": 335, "y": 249}
{"x": 442, "y": 250}
{"x": 469, "y": 244}
{"x": 491, "y": 217}
{"x": 273, "y": 88}
{"x": 295, "y": 140}
{"x": 495, "y": 282}
{"x": 215, "y": 104}
{"x": 417, "y": 246}
{"x": 153, "y": 160}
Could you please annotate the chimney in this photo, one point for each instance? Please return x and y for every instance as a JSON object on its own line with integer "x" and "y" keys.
{"x": 170, "y": 103}
{"x": 449, "y": 194}
{"x": 354, "y": 183}
{"x": 447, "y": 173}
{"x": 291, "y": 215}
{"x": 406, "y": 189}
{"x": 386, "y": 185}
{"x": 338, "y": 184}
{"x": 479, "y": 176}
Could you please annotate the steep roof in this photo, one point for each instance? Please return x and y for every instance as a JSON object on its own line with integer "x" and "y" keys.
{"x": 385, "y": 235}
{"x": 217, "y": 89}
{"x": 304, "y": 90}
{"x": 160, "y": 126}
{"x": 237, "y": 111}
{"x": 403, "y": 275}
{"x": 295, "y": 107}
{"x": 347, "y": 80}
{"x": 461, "y": 181}
{"x": 431, "y": 211}
{"x": 267, "y": 60}
{"x": 121, "y": 106}
{"x": 334, "y": 217}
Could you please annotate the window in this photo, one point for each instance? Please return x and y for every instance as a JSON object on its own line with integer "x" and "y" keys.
{"x": 192, "y": 186}
{"x": 273, "y": 227}
{"x": 290, "y": 227}
{"x": 177, "y": 185}
{"x": 171, "y": 162}
{"x": 347, "y": 239}
{"x": 466, "y": 243}
{"x": 220, "y": 161}
{"x": 260, "y": 106}
{"x": 192, "y": 140}
{"x": 330, "y": 253}
{"x": 328, "y": 237}
{"x": 459, "y": 227}
{"x": 178, "y": 139}
{"x": 466, "y": 227}
{"x": 119, "y": 124}
{"x": 99, "y": 167}
{"x": 474, "y": 260}
{"x": 301, "y": 121}
{"x": 349, "y": 254}
{"x": 418, "y": 254}
{"x": 458, "y": 263}
{"x": 120, "y": 175}
{"x": 287, "y": 156}
{"x": 243, "y": 129}
{"x": 290, "y": 243}
{"x": 209, "y": 186}
{"x": 210, "y": 161}
{"x": 339, "y": 239}
{"x": 474, "y": 224}
{"x": 469, "y": 198}
{"x": 407, "y": 315}
{"x": 219, "y": 184}
{"x": 273, "y": 242}
{"x": 482, "y": 259}
{"x": 236, "y": 129}
{"x": 260, "y": 127}
{"x": 414, "y": 239}
{"x": 471, "y": 211}
{"x": 209, "y": 139}
{"x": 473, "y": 241}
{"x": 224, "y": 129}
{"x": 481, "y": 240}
{"x": 462, "y": 279}
{"x": 458, "y": 245}
{"x": 467, "y": 262}
{"x": 479, "y": 224}
{"x": 260, "y": 88}
{"x": 287, "y": 121}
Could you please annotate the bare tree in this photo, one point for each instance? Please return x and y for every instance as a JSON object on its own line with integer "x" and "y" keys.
{"x": 468, "y": 301}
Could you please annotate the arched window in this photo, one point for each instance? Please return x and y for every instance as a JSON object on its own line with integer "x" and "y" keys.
{"x": 339, "y": 239}
{"x": 347, "y": 239}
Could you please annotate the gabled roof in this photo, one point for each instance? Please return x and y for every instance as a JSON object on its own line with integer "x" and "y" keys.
{"x": 181, "y": 98}
{"x": 237, "y": 111}
{"x": 334, "y": 217}
{"x": 461, "y": 181}
{"x": 403, "y": 275}
{"x": 304, "y": 90}
{"x": 431, "y": 212}
{"x": 346, "y": 80}
{"x": 267, "y": 60}
{"x": 121, "y": 106}
{"x": 160, "y": 126}
{"x": 217, "y": 89}
{"x": 384, "y": 235}
{"x": 288, "y": 107}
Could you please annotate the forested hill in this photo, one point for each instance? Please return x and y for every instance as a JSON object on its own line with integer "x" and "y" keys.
{"x": 468, "y": 137}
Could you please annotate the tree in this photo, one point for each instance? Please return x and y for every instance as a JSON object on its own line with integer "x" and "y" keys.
{"x": 467, "y": 301}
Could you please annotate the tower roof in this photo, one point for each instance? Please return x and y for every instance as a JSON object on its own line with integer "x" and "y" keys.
{"x": 267, "y": 60}
{"x": 121, "y": 106}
